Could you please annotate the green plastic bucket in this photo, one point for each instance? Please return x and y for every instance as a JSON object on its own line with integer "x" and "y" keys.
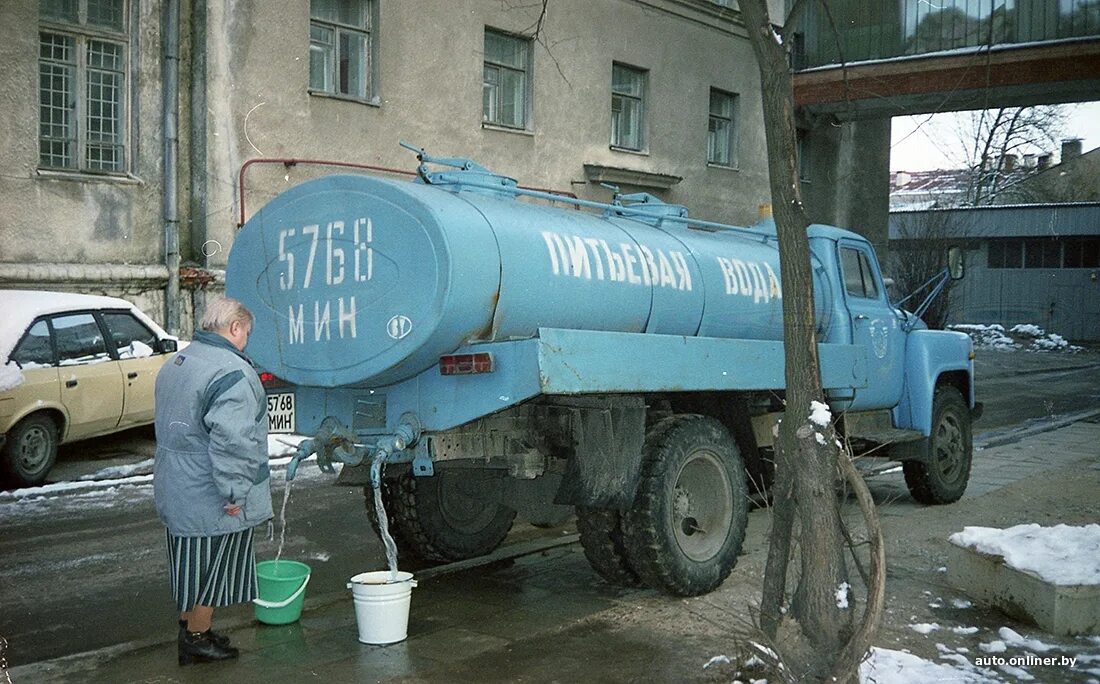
{"x": 282, "y": 590}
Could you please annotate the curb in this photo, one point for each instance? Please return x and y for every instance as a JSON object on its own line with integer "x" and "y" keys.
{"x": 987, "y": 440}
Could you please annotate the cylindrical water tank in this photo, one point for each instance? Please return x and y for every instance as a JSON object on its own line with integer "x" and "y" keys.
{"x": 366, "y": 281}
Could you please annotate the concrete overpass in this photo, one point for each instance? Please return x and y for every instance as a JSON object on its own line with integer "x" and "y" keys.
{"x": 863, "y": 61}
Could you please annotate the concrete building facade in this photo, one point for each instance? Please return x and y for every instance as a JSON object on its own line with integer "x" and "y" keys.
{"x": 129, "y": 120}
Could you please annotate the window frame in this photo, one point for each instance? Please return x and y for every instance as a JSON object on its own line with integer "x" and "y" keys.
{"x": 732, "y": 137}
{"x": 108, "y": 333}
{"x": 112, "y": 355}
{"x": 82, "y": 35}
{"x": 527, "y": 72}
{"x": 867, "y": 274}
{"x": 45, "y": 320}
{"x": 643, "y": 114}
{"x": 369, "y": 32}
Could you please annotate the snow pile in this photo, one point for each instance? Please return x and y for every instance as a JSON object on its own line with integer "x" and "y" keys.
{"x": 1062, "y": 555}
{"x": 135, "y": 350}
{"x": 885, "y": 666}
{"x": 1023, "y": 336}
{"x": 987, "y": 336}
{"x": 1038, "y": 339}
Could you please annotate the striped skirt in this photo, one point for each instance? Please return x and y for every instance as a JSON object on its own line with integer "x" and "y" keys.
{"x": 212, "y": 571}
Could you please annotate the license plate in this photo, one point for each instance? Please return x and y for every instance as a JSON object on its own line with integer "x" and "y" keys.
{"x": 280, "y": 412}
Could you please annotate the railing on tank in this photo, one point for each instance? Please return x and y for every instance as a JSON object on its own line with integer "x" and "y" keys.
{"x": 863, "y": 30}
{"x": 289, "y": 162}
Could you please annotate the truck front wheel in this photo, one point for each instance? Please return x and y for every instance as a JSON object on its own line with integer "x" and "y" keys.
{"x": 450, "y": 516}
{"x": 685, "y": 531}
{"x": 942, "y": 479}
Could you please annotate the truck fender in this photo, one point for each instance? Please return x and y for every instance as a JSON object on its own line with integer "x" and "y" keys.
{"x": 931, "y": 358}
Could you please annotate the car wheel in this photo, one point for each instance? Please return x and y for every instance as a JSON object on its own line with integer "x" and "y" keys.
{"x": 30, "y": 451}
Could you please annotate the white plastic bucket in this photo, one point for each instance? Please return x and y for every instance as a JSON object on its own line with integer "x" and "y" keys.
{"x": 382, "y": 606}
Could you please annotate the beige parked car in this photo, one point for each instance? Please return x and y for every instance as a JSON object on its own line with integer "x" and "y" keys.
{"x": 71, "y": 367}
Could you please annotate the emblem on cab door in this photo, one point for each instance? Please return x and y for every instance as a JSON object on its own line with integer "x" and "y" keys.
{"x": 399, "y": 326}
{"x": 879, "y": 334}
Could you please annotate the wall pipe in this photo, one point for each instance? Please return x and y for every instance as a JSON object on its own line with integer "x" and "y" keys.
{"x": 170, "y": 114}
{"x": 198, "y": 152}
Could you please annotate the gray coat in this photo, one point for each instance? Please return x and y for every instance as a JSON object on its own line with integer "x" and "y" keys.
{"x": 211, "y": 423}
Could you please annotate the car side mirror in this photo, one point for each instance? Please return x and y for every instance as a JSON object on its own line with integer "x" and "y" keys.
{"x": 167, "y": 346}
{"x": 956, "y": 263}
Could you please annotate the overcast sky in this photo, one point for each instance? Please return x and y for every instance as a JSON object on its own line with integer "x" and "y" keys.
{"x": 923, "y": 143}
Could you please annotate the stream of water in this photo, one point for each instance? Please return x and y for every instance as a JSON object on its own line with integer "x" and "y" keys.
{"x": 384, "y": 532}
{"x": 282, "y": 524}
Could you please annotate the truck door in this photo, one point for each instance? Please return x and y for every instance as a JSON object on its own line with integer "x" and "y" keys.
{"x": 874, "y": 326}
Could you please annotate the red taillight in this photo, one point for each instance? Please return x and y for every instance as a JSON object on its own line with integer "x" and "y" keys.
{"x": 268, "y": 380}
{"x": 466, "y": 364}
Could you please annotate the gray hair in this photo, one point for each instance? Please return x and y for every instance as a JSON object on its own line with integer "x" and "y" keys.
{"x": 223, "y": 311}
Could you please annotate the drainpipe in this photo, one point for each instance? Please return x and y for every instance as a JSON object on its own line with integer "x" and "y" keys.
{"x": 170, "y": 114}
{"x": 198, "y": 149}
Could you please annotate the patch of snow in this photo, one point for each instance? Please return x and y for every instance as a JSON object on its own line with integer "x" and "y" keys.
{"x": 820, "y": 438}
{"x": 135, "y": 350}
{"x": 1062, "y": 555}
{"x": 886, "y": 666}
{"x": 986, "y": 336}
{"x": 1028, "y": 329}
{"x": 717, "y": 660}
{"x": 10, "y": 374}
{"x": 995, "y": 646}
{"x": 820, "y": 414}
{"x": 1014, "y": 638}
{"x": 114, "y": 472}
{"x": 964, "y": 630}
{"x": 1019, "y": 673}
{"x": 961, "y": 603}
{"x": 842, "y": 595}
{"x": 924, "y": 627}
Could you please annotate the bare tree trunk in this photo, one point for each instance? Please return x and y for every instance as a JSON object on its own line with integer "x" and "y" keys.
{"x": 806, "y": 470}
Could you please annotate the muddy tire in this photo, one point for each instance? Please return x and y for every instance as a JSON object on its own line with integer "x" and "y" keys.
{"x": 685, "y": 531}
{"x": 943, "y": 478}
{"x": 29, "y": 452}
{"x": 602, "y": 539}
{"x": 449, "y": 516}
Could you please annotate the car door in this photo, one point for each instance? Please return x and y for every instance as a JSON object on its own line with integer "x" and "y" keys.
{"x": 139, "y": 358}
{"x": 91, "y": 381}
{"x": 874, "y": 326}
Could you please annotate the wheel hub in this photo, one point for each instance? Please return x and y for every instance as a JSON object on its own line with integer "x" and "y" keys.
{"x": 702, "y": 506}
{"x": 33, "y": 450}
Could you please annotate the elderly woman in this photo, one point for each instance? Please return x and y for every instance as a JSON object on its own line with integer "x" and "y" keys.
{"x": 211, "y": 480}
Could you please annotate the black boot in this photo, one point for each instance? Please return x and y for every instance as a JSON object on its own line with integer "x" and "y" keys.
{"x": 219, "y": 639}
{"x": 199, "y": 647}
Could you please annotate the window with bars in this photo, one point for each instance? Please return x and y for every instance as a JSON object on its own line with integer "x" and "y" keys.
{"x": 628, "y": 93}
{"x": 340, "y": 47}
{"x": 504, "y": 91}
{"x": 82, "y": 77}
{"x": 721, "y": 129}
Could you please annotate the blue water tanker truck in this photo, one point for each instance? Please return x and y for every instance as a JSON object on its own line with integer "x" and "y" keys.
{"x": 482, "y": 352}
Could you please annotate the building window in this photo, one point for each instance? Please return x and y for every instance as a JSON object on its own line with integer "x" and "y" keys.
{"x": 505, "y": 73}
{"x": 82, "y": 77}
{"x": 721, "y": 129}
{"x": 1082, "y": 253}
{"x": 628, "y": 86}
{"x": 340, "y": 47}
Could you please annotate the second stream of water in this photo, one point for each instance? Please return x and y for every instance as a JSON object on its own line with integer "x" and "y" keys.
{"x": 383, "y": 530}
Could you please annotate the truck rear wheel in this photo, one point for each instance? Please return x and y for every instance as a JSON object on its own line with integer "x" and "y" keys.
{"x": 685, "y": 531}
{"x": 450, "y": 516}
{"x": 942, "y": 479}
{"x": 602, "y": 539}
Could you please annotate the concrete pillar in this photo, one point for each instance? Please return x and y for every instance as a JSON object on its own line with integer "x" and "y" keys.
{"x": 847, "y": 177}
